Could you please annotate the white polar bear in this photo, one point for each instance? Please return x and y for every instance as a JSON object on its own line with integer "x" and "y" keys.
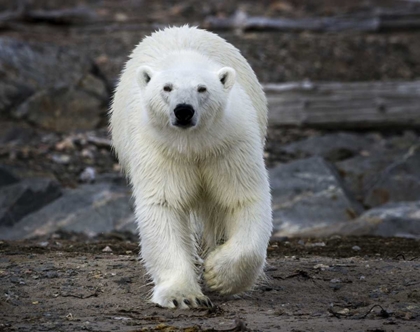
{"x": 188, "y": 123}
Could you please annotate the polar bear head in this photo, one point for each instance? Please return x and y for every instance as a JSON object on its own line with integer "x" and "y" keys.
{"x": 185, "y": 96}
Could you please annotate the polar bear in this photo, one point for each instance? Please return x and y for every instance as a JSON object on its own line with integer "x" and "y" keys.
{"x": 188, "y": 123}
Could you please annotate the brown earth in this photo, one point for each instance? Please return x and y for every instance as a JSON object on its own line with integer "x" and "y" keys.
{"x": 313, "y": 285}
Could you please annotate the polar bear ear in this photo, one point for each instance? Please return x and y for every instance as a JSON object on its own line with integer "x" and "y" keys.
{"x": 144, "y": 75}
{"x": 227, "y": 77}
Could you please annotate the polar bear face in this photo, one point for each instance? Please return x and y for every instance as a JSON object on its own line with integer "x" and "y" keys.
{"x": 185, "y": 98}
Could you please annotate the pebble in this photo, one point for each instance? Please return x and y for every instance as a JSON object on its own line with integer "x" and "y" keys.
{"x": 321, "y": 267}
{"x": 107, "y": 249}
{"x": 63, "y": 159}
{"x": 88, "y": 175}
{"x": 316, "y": 244}
{"x": 356, "y": 248}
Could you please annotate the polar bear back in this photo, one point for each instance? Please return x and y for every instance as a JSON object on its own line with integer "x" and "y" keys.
{"x": 160, "y": 43}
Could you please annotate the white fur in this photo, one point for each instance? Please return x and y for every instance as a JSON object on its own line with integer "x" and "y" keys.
{"x": 204, "y": 186}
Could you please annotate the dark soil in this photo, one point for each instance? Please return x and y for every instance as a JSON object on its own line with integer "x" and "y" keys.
{"x": 313, "y": 285}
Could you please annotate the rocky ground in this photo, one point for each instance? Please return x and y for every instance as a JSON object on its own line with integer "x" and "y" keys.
{"x": 61, "y": 188}
{"x": 334, "y": 284}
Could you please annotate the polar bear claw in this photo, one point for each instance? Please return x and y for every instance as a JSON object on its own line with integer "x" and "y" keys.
{"x": 180, "y": 298}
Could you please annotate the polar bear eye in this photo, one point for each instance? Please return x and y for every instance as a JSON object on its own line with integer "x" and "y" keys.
{"x": 202, "y": 89}
{"x": 167, "y": 88}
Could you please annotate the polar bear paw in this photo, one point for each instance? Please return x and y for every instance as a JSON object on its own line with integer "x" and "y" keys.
{"x": 180, "y": 297}
{"x": 231, "y": 272}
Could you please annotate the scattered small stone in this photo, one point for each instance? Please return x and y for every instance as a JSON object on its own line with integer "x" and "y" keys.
{"x": 43, "y": 244}
{"x": 335, "y": 237}
{"x": 63, "y": 159}
{"x": 362, "y": 278}
{"x": 121, "y": 318}
{"x": 321, "y": 267}
{"x": 344, "y": 311}
{"x": 52, "y": 274}
{"x": 100, "y": 142}
{"x": 65, "y": 144}
{"x": 316, "y": 244}
{"x": 335, "y": 281}
{"x": 88, "y": 175}
{"x": 356, "y": 248}
{"x": 87, "y": 153}
{"x": 107, "y": 249}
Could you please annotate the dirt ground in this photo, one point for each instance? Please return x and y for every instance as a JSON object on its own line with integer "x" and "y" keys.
{"x": 336, "y": 284}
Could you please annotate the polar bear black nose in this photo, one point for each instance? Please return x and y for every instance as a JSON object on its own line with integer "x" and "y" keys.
{"x": 183, "y": 114}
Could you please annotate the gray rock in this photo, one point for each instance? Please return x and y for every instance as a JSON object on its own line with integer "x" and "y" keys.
{"x": 29, "y": 195}
{"x": 89, "y": 209}
{"x": 333, "y": 147}
{"x": 61, "y": 109}
{"x": 307, "y": 194}
{"x": 16, "y": 133}
{"x": 7, "y": 177}
{"x": 391, "y": 176}
{"x": 37, "y": 71}
{"x": 393, "y": 219}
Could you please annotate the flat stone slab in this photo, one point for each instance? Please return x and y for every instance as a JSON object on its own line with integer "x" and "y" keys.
{"x": 391, "y": 176}
{"x": 309, "y": 193}
{"x": 7, "y": 177}
{"x": 333, "y": 147}
{"x": 49, "y": 86}
{"x": 393, "y": 219}
{"x": 89, "y": 209}
{"x": 20, "y": 199}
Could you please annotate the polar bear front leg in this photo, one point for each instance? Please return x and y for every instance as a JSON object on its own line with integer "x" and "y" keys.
{"x": 234, "y": 266}
{"x": 167, "y": 252}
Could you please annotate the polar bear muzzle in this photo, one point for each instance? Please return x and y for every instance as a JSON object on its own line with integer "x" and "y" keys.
{"x": 184, "y": 116}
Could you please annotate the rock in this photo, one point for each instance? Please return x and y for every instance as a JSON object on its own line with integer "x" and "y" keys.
{"x": 61, "y": 109}
{"x": 393, "y": 219}
{"x": 333, "y": 147}
{"x": 88, "y": 175}
{"x": 16, "y": 133}
{"x": 308, "y": 194}
{"x": 89, "y": 209}
{"x": 60, "y": 79}
{"x": 19, "y": 172}
{"x": 391, "y": 176}
{"x": 62, "y": 159}
{"x": 19, "y": 199}
{"x": 7, "y": 177}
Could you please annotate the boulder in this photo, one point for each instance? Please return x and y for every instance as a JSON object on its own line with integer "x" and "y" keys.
{"x": 309, "y": 193}
{"x": 393, "y": 219}
{"x": 15, "y": 133}
{"x": 61, "y": 109}
{"x": 35, "y": 75}
{"x": 7, "y": 177}
{"x": 389, "y": 176}
{"x": 89, "y": 209}
{"x": 333, "y": 147}
{"x": 22, "y": 198}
